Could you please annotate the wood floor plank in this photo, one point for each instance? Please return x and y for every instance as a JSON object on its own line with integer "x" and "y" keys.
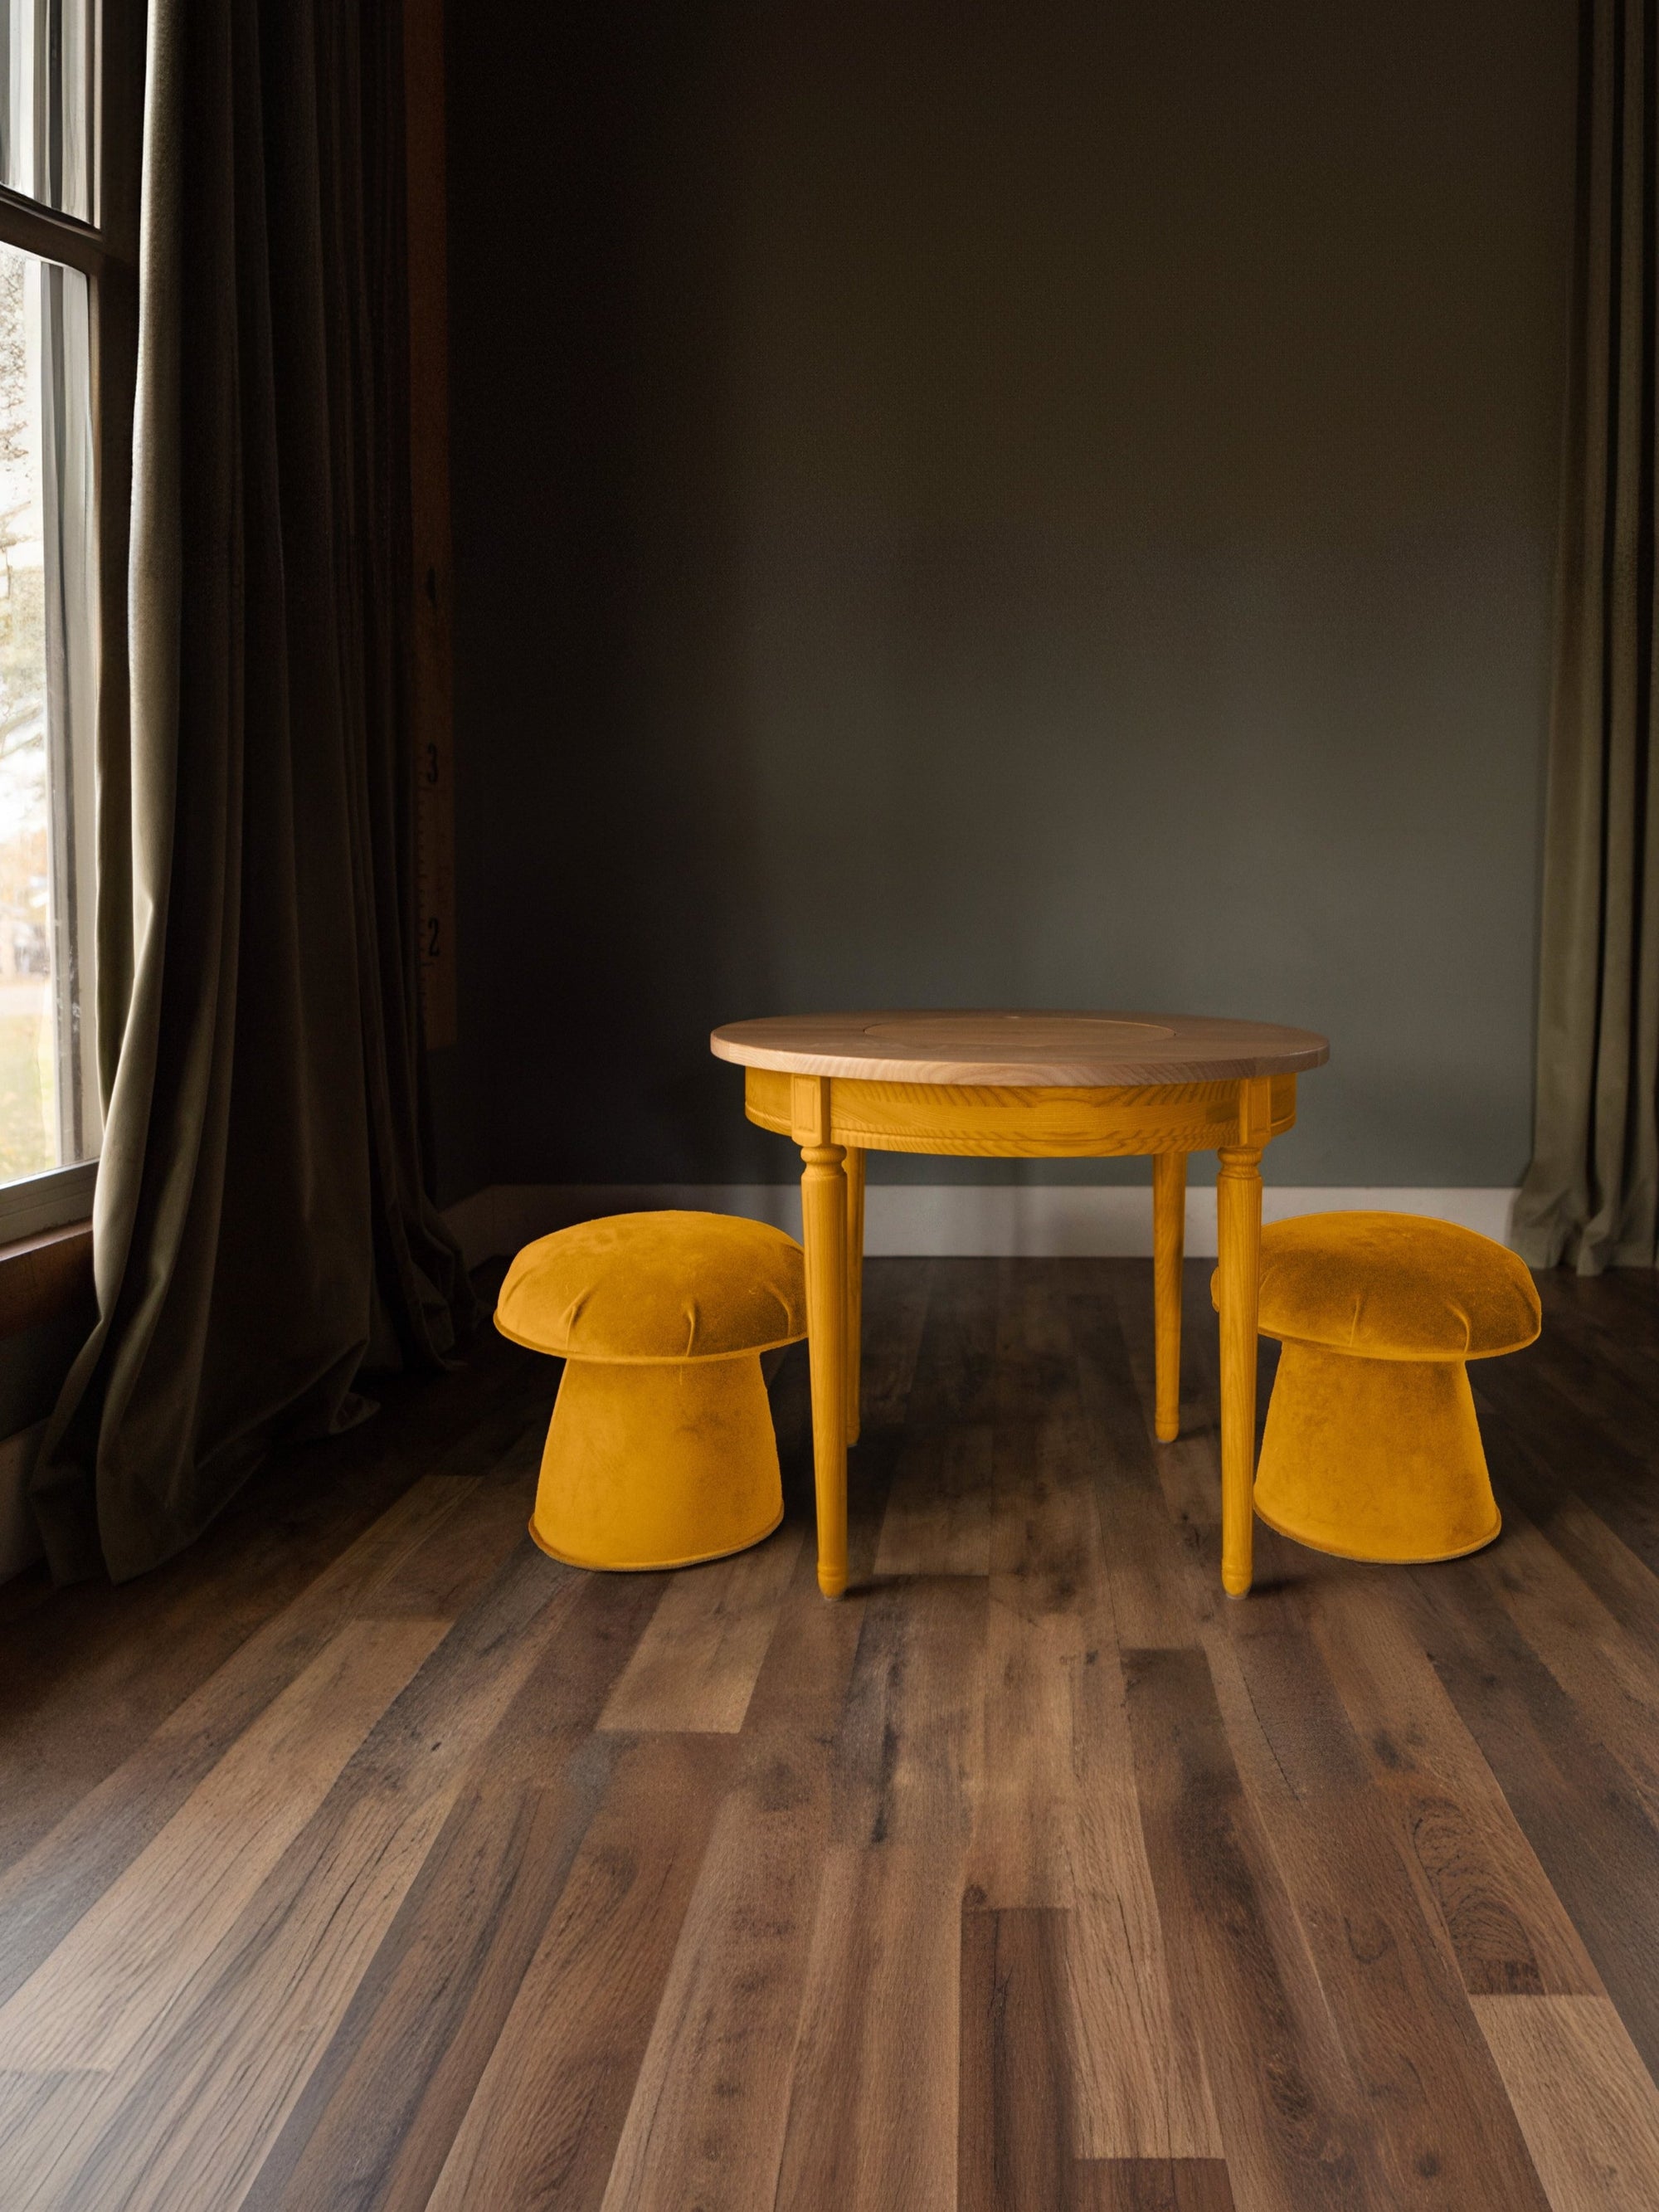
{"x": 1286, "y": 2104}
{"x": 1611, "y": 1678}
{"x": 1441, "y": 2129}
{"x": 504, "y": 1444}
{"x": 1032, "y": 1872}
{"x": 45, "y": 1891}
{"x": 231, "y": 2058}
{"x": 1602, "y": 1376}
{"x": 1505, "y": 1922}
{"x": 102, "y": 1990}
{"x": 1611, "y": 1471}
{"x": 1586, "y": 2103}
{"x": 938, "y": 1520}
{"x": 194, "y": 2126}
{"x": 117, "y": 1660}
{"x": 374, "y": 2126}
{"x": 1436, "y": 2110}
{"x": 44, "y": 2117}
{"x": 444, "y": 1572}
{"x": 694, "y": 1667}
{"x": 908, "y": 1765}
{"x": 1575, "y": 1806}
{"x": 872, "y": 2122}
{"x": 1617, "y": 1321}
{"x": 378, "y": 2113}
{"x": 1015, "y": 2128}
{"x": 1037, "y": 1375}
{"x": 956, "y": 1372}
{"x": 706, "y": 2122}
{"x": 803, "y": 1681}
{"x": 1139, "y": 2091}
{"x": 1626, "y": 1585}
{"x": 1024, "y": 1846}
{"x": 1144, "y": 2184}
{"x": 895, "y": 1297}
{"x": 1151, "y": 1599}
{"x": 541, "y": 2129}
{"x": 707, "y": 2119}
{"x": 1047, "y": 1585}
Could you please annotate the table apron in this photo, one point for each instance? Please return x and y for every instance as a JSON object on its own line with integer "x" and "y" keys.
{"x": 1033, "y": 1123}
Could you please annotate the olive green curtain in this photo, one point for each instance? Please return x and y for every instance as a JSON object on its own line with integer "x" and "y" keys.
{"x": 1589, "y": 1195}
{"x": 261, "y": 1230}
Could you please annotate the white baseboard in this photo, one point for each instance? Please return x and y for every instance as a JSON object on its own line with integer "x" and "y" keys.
{"x": 952, "y": 1220}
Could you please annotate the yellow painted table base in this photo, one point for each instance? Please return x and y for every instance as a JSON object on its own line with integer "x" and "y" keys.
{"x": 834, "y": 1120}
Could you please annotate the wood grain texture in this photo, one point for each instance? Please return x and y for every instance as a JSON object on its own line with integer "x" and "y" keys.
{"x": 823, "y": 1208}
{"x": 854, "y": 1170}
{"x": 230, "y": 2062}
{"x": 44, "y": 1276}
{"x": 874, "y": 2081}
{"x": 422, "y": 1870}
{"x": 543, "y": 2126}
{"x": 117, "y": 1663}
{"x": 707, "y": 2119}
{"x": 1577, "y": 1807}
{"x": 938, "y": 1520}
{"x": 1144, "y": 2184}
{"x": 1238, "y": 1955}
{"x": 1001, "y": 1046}
{"x": 1586, "y": 2103}
{"x": 1611, "y": 1677}
{"x": 386, "y": 2098}
{"x": 1169, "y": 1245}
{"x": 1442, "y": 2126}
{"x": 696, "y": 1665}
{"x": 104, "y": 1987}
{"x": 1014, "y": 1121}
{"x": 1505, "y": 1924}
{"x": 53, "y": 1884}
{"x": 1140, "y": 2088}
{"x": 1015, "y": 2128}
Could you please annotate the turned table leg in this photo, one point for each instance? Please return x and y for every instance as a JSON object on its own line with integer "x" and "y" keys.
{"x": 824, "y": 1213}
{"x": 854, "y": 1287}
{"x": 1238, "y": 1237}
{"x": 1169, "y": 1239}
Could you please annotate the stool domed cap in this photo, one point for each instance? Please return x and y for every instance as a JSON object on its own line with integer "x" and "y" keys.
{"x": 650, "y": 1287}
{"x": 1395, "y": 1286}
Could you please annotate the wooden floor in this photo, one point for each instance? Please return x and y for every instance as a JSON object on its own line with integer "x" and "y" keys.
{"x": 364, "y": 1857}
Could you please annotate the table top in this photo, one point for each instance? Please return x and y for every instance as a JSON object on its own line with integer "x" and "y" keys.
{"x": 1071, "y": 1051}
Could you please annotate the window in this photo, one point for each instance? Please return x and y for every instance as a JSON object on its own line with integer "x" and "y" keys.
{"x": 68, "y": 134}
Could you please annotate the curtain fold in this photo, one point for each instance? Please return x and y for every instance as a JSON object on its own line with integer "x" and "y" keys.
{"x": 1590, "y": 1193}
{"x": 261, "y": 1228}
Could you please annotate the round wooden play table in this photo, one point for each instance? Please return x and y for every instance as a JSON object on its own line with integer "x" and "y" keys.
{"x": 1026, "y": 1086}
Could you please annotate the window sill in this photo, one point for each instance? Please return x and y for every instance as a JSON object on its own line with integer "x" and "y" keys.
{"x": 43, "y": 1276}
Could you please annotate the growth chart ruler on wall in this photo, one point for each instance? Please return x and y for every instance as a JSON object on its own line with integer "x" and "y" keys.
{"x": 432, "y": 718}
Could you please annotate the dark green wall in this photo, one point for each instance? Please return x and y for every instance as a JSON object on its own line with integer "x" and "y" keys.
{"x": 1002, "y": 504}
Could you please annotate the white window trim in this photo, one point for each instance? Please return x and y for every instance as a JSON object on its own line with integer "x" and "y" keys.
{"x": 36, "y": 1203}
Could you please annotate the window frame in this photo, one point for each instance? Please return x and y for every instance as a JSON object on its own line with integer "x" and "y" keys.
{"x": 106, "y": 252}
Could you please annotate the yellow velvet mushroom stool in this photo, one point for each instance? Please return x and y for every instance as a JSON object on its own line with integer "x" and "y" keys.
{"x": 661, "y": 1452}
{"x": 1371, "y": 1448}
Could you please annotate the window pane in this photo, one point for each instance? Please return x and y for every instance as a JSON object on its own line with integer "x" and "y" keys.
{"x": 45, "y": 101}
{"x": 48, "y": 1097}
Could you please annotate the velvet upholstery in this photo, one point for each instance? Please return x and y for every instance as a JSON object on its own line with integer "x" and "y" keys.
{"x": 1393, "y": 1287}
{"x": 658, "y": 1466}
{"x": 1371, "y": 1448}
{"x": 661, "y": 1452}
{"x": 1375, "y": 1459}
{"x": 650, "y": 1286}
